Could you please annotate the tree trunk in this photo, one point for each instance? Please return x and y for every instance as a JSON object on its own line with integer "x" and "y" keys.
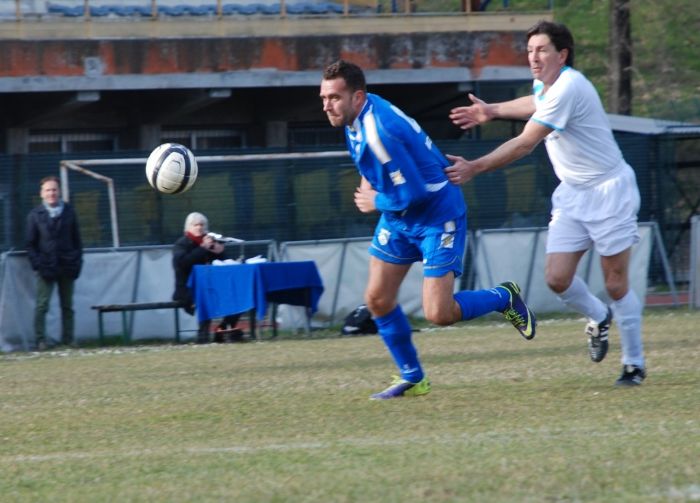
{"x": 620, "y": 95}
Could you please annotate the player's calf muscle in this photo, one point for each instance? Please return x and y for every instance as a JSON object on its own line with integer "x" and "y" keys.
{"x": 444, "y": 313}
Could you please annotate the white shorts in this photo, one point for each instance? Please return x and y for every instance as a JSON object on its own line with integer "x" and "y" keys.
{"x": 604, "y": 216}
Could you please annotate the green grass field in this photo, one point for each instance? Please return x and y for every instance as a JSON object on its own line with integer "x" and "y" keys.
{"x": 290, "y": 420}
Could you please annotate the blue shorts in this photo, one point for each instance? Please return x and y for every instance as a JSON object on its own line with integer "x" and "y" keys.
{"x": 440, "y": 247}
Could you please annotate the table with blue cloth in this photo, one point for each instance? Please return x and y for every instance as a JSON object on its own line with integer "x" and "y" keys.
{"x": 221, "y": 290}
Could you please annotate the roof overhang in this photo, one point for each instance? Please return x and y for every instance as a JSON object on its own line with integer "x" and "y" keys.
{"x": 644, "y": 125}
{"x": 252, "y": 79}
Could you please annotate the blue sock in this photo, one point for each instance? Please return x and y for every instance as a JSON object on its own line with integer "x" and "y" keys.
{"x": 396, "y": 332}
{"x": 475, "y": 303}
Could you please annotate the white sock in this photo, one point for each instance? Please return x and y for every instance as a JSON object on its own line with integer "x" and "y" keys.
{"x": 579, "y": 298}
{"x": 628, "y": 317}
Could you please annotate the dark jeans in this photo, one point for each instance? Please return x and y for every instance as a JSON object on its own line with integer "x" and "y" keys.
{"x": 44, "y": 289}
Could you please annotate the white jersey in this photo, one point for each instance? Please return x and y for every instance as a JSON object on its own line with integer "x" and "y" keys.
{"x": 581, "y": 146}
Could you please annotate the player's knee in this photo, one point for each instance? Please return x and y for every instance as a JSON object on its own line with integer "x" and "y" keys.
{"x": 616, "y": 290}
{"x": 558, "y": 284}
{"x": 378, "y": 305}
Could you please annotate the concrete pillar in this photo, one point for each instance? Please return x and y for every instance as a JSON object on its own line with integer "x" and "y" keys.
{"x": 149, "y": 136}
{"x": 276, "y": 134}
{"x": 17, "y": 140}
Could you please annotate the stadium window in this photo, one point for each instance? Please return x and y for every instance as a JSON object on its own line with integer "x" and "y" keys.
{"x": 205, "y": 139}
{"x": 71, "y": 142}
{"x": 314, "y": 135}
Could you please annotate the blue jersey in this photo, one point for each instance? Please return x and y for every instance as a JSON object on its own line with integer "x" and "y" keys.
{"x": 402, "y": 164}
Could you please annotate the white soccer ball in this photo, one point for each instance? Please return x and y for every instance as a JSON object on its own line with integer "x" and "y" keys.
{"x": 171, "y": 168}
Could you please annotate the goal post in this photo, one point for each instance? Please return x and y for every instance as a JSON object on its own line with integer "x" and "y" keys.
{"x": 81, "y": 166}
{"x": 694, "y": 301}
{"x": 65, "y": 166}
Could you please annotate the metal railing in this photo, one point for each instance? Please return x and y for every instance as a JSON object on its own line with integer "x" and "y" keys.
{"x": 154, "y": 9}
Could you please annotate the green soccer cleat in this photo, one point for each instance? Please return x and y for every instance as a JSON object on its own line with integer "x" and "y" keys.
{"x": 517, "y": 311}
{"x": 400, "y": 387}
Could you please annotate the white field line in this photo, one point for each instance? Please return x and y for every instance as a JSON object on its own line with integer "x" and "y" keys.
{"x": 352, "y": 442}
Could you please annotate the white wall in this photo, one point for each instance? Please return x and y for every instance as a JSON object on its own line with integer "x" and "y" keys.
{"x": 145, "y": 275}
{"x": 108, "y": 277}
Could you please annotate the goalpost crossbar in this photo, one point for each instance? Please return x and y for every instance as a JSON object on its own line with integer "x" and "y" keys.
{"x": 79, "y": 166}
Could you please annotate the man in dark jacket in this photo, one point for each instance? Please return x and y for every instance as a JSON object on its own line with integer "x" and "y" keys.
{"x": 55, "y": 251}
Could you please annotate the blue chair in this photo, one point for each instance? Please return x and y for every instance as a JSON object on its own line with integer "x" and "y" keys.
{"x": 122, "y": 11}
{"x": 319, "y": 8}
{"x": 271, "y": 9}
{"x": 74, "y": 11}
{"x": 53, "y": 8}
{"x": 187, "y": 10}
{"x": 98, "y": 11}
{"x": 174, "y": 11}
{"x": 65, "y": 10}
{"x": 334, "y": 8}
{"x": 208, "y": 8}
{"x": 144, "y": 11}
{"x": 296, "y": 8}
{"x": 230, "y": 8}
{"x": 249, "y": 9}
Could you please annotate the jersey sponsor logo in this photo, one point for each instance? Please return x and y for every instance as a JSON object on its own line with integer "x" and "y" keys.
{"x": 397, "y": 178}
{"x": 383, "y": 236}
{"x": 447, "y": 240}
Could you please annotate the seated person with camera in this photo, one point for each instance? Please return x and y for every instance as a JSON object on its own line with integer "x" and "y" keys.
{"x": 196, "y": 247}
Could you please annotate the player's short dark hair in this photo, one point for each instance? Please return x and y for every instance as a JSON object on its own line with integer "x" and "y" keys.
{"x": 560, "y": 36}
{"x": 353, "y": 74}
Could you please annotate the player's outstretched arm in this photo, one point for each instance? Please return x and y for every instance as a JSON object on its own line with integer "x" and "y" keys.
{"x": 480, "y": 112}
{"x": 463, "y": 170}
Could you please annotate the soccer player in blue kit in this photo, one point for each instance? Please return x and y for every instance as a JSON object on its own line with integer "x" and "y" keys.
{"x": 423, "y": 217}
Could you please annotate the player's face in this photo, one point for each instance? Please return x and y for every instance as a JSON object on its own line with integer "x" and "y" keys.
{"x": 545, "y": 61}
{"x": 340, "y": 103}
{"x": 50, "y": 192}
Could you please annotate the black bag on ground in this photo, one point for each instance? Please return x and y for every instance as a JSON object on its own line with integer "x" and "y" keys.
{"x": 359, "y": 322}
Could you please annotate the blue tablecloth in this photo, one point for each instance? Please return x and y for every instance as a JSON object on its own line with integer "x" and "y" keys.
{"x": 220, "y": 290}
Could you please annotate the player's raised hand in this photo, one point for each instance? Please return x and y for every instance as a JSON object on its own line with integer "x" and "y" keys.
{"x": 364, "y": 198}
{"x": 472, "y": 115}
{"x": 461, "y": 170}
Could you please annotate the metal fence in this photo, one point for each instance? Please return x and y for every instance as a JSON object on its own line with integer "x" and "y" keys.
{"x": 312, "y": 198}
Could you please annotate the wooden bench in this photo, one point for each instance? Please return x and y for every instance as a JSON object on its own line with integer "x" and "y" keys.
{"x": 136, "y": 306}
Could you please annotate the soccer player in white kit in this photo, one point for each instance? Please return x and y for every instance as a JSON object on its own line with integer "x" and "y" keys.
{"x": 597, "y": 201}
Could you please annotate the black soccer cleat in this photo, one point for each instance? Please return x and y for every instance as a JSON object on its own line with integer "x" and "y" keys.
{"x": 631, "y": 376}
{"x": 598, "y": 337}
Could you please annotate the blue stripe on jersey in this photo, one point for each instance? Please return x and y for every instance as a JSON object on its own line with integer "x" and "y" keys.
{"x": 547, "y": 124}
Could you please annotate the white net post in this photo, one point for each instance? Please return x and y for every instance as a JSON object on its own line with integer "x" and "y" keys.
{"x": 694, "y": 288}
